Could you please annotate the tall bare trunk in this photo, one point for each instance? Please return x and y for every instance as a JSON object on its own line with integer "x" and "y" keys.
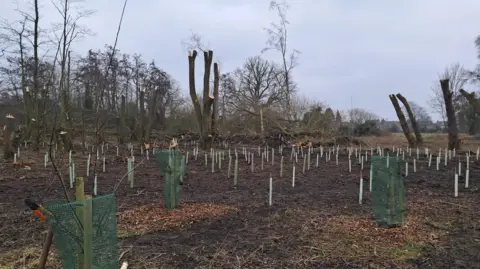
{"x": 121, "y": 122}
{"x": 203, "y": 116}
{"x": 216, "y": 83}
{"x": 38, "y": 121}
{"x": 403, "y": 121}
{"x": 453, "y": 141}
{"x": 8, "y": 150}
{"x": 141, "y": 134}
{"x": 152, "y": 107}
{"x": 27, "y": 96}
{"x": 64, "y": 103}
{"x": 413, "y": 120}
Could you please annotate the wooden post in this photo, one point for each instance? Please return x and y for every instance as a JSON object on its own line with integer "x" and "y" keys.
{"x": 80, "y": 197}
{"x": 46, "y": 248}
{"x": 87, "y": 233}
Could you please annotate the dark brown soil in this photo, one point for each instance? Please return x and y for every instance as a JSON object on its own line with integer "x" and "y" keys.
{"x": 316, "y": 224}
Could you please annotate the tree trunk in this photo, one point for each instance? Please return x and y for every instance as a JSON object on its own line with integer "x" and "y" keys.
{"x": 207, "y": 100}
{"x": 67, "y": 142}
{"x": 203, "y": 116}
{"x": 64, "y": 101}
{"x": 453, "y": 142}
{"x": 28, "y": 120}
{"x": 141, "y": 134}
{"x": 28, "y": 101}
{"x": 403, "y": 121}
{"x": 8, "y": 150}
{"x": 161, "y": 118}
{"x": 262, "y": 128}
{"x": 472, "y": 100}
{"x": 88, "y": 103}
{"x": 216, "y": 81}
{"x": 101, "y": 120}
{"x": 413, "y": 120}
{"x": 151, "y": 116}
{"x": 121, "y": 122}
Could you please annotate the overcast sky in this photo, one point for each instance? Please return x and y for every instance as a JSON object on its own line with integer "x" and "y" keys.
{"x": 354, "y": 53}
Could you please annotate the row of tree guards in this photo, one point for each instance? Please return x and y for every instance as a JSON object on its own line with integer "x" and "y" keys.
{"x": 218, "y": 155}
{"x": 452, "y": 127}
{"x": 386, "y": 185}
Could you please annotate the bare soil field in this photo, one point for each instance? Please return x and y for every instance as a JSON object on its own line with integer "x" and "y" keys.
{"x": 318, "y": 223}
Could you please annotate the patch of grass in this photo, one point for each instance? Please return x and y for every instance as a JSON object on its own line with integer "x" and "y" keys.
{"x": 444, "y": 224}
{"x": 353, "y": 238}
{"x": 126, "y": 234}
{"x": 28, "y": 257}
{"x": 20, "y": 258}
{"x": 408, "y": 252}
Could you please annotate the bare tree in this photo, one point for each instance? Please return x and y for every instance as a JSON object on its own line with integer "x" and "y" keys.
{"x": 257, "y": 90}
{"x": 195, "y": 42}
{"x": 457, "y": 77}
{"x": 70, "y": 31}
{"x": 302, "y": 104}
{"x": 277, "y": 40}
{"x": 453, "y": 141}
{"x": 421, "y": 113}
{"x": 14, "y": 35}
{"x": 360, "y": 115}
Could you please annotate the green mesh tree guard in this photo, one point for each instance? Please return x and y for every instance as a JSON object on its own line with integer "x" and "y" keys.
{"x": 69, "y": 232}
{"x": 172, "y": 168}
{"x": 388, "y": 194}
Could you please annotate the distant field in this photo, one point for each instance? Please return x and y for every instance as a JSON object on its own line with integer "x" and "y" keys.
{"x": 431, "y": 140}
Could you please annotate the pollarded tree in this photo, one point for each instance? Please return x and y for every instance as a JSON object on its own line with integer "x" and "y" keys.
{"x": 208, "y": 115}
{"x": 453, "y": 141}
{"x": 457, "y": 77}
{"x": 413, "y": 120}
{"x": 403, "y": 121}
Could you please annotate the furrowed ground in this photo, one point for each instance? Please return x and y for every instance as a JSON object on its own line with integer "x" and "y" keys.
{"x": 319, "y": 223}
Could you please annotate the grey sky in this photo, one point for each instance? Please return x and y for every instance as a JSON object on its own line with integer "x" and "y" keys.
{"x": 353, "y": 52}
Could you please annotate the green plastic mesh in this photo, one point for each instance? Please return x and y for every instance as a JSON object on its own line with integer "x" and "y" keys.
{"x": 172, "y": 168}
{"x": 164, "y": 162}
{"x": 69, "y": 236}
{"x": 388, "y": 194}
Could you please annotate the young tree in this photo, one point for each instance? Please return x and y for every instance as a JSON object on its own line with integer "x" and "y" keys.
{"x": 277, "y": 40}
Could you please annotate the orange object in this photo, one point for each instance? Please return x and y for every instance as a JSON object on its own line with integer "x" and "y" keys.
{"x": 40, "y": 214}
{"x": 36, "y": 209}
